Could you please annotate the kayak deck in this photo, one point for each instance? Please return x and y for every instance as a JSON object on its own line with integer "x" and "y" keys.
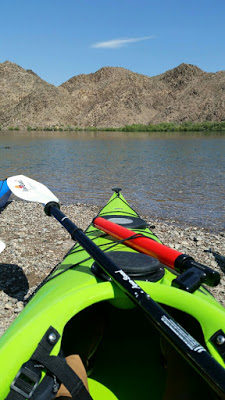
{"x": 119, "y": 346}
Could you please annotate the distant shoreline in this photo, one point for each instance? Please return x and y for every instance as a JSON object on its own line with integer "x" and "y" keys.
{"x": 161, "y": 127}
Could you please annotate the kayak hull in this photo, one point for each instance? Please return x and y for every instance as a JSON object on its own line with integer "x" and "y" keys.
{"x": 5, "y": 193}
{"x": 83, "y": 307}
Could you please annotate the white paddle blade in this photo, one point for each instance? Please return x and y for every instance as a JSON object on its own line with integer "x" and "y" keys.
{"x": 30, "y": 190}
{"x": 2, "y": 246}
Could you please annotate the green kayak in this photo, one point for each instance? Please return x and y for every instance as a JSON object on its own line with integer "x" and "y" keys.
{"x": 124, "y": 353}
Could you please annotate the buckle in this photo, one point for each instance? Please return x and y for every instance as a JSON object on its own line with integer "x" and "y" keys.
{"x": 27, "y": 380}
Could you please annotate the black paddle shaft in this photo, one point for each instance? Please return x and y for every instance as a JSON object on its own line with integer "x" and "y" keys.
{"x": 184, "y": 343}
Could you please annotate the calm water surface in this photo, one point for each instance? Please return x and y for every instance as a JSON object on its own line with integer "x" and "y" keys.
{"x": 169, "y": 176}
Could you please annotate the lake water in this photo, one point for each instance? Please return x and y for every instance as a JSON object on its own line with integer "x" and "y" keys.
{"x": 168, "y": 176}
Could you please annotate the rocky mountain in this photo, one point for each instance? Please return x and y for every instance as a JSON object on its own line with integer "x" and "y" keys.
{"x": 25, "y": 99}
{"x": 111, "y": 97}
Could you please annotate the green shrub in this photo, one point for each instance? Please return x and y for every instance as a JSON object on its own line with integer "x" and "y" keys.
{"x": 13, "y": 128}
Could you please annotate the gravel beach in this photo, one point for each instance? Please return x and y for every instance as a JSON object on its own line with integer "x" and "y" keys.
{"x": 35, "y": 243}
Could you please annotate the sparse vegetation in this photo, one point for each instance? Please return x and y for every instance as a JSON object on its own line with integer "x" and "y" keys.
{"x": 172, "y": 127}
{"x": 162, "y": 127}
{"x": 13, "y": 128}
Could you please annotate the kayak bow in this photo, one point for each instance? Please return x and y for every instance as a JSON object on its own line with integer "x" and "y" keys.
{"x": 97, "y": 320}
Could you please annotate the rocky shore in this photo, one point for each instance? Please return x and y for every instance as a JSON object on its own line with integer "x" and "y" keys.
{"x": 35, "y": 243}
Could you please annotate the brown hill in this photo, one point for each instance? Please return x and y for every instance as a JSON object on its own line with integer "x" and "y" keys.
{"x": 112, "y": 97}
{"x": 28, "y": 100}
{"x": 15, "y": 84}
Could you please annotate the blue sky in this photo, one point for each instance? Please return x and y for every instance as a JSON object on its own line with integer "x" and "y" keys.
{"x": 58, "y": 39}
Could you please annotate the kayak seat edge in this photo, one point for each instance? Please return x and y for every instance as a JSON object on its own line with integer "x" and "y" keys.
{"x": 100, "y": 392}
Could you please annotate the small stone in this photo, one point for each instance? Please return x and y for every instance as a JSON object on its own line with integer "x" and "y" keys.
{"x": 13, "y": 301}
{"x": 19, "y": 304}
{"x": 213, "y": 264}
{"x": 18, "y": 310}
{"x": 184, "y": 243}
{"x": 8, "y": 307}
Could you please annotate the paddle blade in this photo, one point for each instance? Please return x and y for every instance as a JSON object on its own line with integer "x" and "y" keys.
{"x": 28, "y": 189}
{"x": 2, "y": 246}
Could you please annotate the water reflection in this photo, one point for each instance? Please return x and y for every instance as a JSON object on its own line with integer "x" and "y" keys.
{"x": 164, "y": 175}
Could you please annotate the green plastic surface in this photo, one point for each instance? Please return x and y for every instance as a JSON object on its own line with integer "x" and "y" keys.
{"x": 129, "y": 348}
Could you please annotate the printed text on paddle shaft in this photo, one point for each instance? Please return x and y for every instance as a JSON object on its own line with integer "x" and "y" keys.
{"x": 131, "y": 282}
{"x": 182, "y": 334}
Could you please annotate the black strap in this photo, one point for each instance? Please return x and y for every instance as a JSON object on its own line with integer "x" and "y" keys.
{"x": 25, "y": 388}
{"x": 59, "y": 367}
{"x": 25, "y": 382}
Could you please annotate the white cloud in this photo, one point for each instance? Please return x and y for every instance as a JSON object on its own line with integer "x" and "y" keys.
{"x": 116, "y": 43}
